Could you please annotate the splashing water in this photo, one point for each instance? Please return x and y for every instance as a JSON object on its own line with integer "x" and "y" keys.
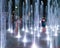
{"x": 3, "y": 14}
{"x": 52, "y": 20}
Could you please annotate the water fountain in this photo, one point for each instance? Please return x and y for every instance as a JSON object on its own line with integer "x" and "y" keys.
{"x": 36, "y": 25}
{"x": 26, "y": 17}
{"x": 18, "y": 24}
{"x": 31, "y": 20}
{"x": 10, "y": 28}
{"x": 3, "y": 15}
{"x": 23, "y": 28}
{"x": 36, "y": 15}
{"x": 26, "y": 29}
{"x": 52, "y": 21}
{"x": 41, "y": 16}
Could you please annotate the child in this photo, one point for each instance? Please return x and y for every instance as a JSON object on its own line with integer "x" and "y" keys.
{"x": 43, "y": 24}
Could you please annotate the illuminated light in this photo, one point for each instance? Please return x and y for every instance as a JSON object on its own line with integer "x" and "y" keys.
{"x": 26, "y": 30}
{"x": 56, "y": 34}
{"x": 10, "y": 30}
{"x": 34, "y": 45}
{"x": 16, "y": 7}
{"x": 51, "y": 46}
{"x": 48, "y": 38}
{"x": 58, "y": 26}
{"x": 47, "y": 32}
{"x": 46, "y": 27}
{"x": 18, "y": 35}
{"x": 40, "y": 21}
{"x": 31, "y": 28}
{"x": 32, "y": 32}
{"x": 25, "y": 39}
{"x": 41, "y": 29}
{"x": 53, "y": 28}
{"x": 35, "y": 29}
{"x": 23, "y": 29}
{"x": 38, "y": 35}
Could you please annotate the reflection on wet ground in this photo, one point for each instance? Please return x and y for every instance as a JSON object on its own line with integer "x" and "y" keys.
{"x": 15, "y": 43}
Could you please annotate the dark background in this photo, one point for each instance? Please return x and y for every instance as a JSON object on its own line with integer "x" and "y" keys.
{"x": 31, "y": 2}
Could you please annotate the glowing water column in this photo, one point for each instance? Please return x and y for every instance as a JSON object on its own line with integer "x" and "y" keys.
{"x": 3, "y": 11}
{"x": 52, "y": 22}
{"x": 36, "y": 18}
{"x": 23, "y": 18}
{"x": 41, "y": 16}
{"x": 31, "y": 19}
{"x": 41, "y": 10}
{"x": 36, "y": 25}
{"x": 56, "y": 23}
{"x": 26, "y": 15}
{"x": 49, "y": 42}
{"x": 10, "y": 29}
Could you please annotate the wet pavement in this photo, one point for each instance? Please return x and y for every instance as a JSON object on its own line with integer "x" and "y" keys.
{"x": 15, "y": 43}
{"x": 12, "y": 42}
